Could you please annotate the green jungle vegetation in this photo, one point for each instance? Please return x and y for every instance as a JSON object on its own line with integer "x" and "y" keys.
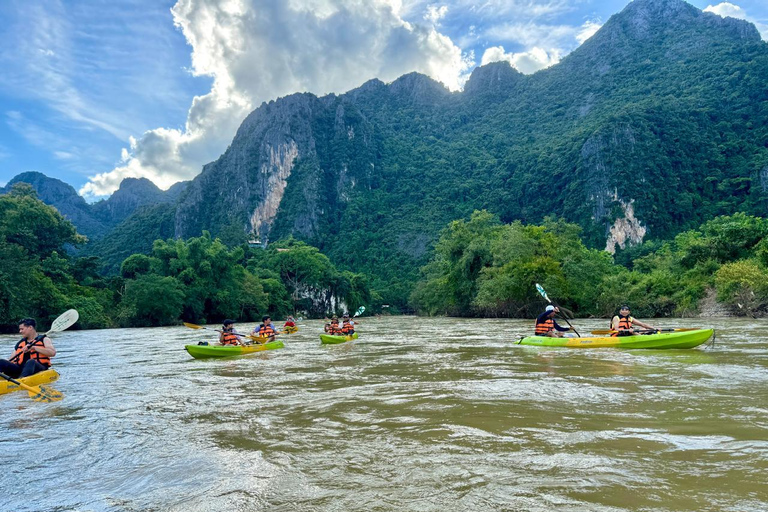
{"x": 482, "y": 267}
{"x": 198, "y": 280}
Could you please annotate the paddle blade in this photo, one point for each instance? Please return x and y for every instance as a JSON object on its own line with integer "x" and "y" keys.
{"x": 193, "y": 326}
{"x": 359, "y": 311}
{"x": 542, "y": 292}
{"x": 44, "y": 394}
{"x": 64, "y": 321}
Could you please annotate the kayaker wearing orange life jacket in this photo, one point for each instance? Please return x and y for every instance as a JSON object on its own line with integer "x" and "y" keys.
{"x": 334, "y": 329}
{"x": 228, "y": 335}
{"x": 348, "y": 326}
{"x": 266, "y": 330}
{"x": 33, "y": 352}
{"x": 623, "y": 324}
{"x": 546, "y": 325}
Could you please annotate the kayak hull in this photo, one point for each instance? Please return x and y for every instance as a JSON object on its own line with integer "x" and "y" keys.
{"x": 290, "y": 330}
{"x": 44, "y": 377}
{"x": 327, "y": 339}
{"x": 663, "y": 340}
{"x": 207, "y": 351}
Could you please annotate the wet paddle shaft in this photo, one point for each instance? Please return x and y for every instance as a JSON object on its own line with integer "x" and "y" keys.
{"x": 546, "y": 297}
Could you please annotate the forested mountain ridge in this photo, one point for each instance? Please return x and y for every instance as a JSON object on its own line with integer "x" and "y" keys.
{"x": 98, "y": 219}
{"x": 655, "y": 124}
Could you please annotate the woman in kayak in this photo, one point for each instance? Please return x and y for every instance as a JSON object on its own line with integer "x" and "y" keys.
{"x": 33, "y": 352}
{"x": 228, "y": 335}
{"x": 546, "y": 325}
{"x": 623, "y": 324}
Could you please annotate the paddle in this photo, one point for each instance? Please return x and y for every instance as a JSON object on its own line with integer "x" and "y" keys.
{"x": 610, "y": 331}
{"x": 37, "y": 393}
{"x": 63, "y": 322}
{"x": 544, "y": 294}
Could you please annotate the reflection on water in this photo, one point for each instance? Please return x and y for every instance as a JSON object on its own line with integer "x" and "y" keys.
{"x": 418, "y": 414}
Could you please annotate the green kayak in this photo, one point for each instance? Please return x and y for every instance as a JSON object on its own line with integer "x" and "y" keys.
{"x": 203, "y": 351}
{"x": 687, "y": 339}
{"x": 327, "y": 339}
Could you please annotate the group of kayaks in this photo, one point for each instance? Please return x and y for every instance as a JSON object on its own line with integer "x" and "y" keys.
{"x": 214, "y": 350}
{"x": 661, "y": 340}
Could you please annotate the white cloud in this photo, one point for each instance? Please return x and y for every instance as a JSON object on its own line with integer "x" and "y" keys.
{"x": 434, "y": 13}
{"x": 727, "y": 9}
{"x": 257, "y": 50}
{"x": 526, "y": 62}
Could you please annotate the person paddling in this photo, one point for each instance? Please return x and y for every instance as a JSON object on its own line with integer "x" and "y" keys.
{"x": 623, "y": 324}
{"x": 348, "y": 326}
{"x": 228, "y": 335}
{"x": 32, "y": 354}
{"x": 546, "y": 325}
{"x": 266, "y": 330}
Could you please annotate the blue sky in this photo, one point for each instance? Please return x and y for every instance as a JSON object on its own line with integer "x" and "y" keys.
{"x": 93, "y": 91}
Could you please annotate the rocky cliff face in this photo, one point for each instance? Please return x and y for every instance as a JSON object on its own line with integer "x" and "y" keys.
{"x": 322, "y": 146}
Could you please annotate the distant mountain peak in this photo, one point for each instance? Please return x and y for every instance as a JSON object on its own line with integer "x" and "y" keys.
{"x": 495, "y": 77}
{"x": 418, "y": 87}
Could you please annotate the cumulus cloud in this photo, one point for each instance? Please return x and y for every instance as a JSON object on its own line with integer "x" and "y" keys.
{"x": 526, "y": 62}
{"x": 257, "y": 50}
{"x": 727, "y": 9}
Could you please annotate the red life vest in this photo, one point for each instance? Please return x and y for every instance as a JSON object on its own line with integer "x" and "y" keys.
{"x": 37, "y": 356}
{"x": 265, "y": 331}
{"x": 543, "y": 328}
{"x": 625, "y": 323}
{"x": 347, "y": 328}
{"x": 229, "y": 338}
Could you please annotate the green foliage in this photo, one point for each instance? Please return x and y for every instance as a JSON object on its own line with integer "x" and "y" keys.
{"x": 667, "y": 281}
{"x": 151, "y": 300}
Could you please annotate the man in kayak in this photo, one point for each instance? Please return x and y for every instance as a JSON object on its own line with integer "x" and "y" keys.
{"x": 546, "y": 325}
{"x": 623, "y": 323}
{"x": 33, "y": 352}
{"x": 228, "y": 335}
{"x": 266, "y": 330}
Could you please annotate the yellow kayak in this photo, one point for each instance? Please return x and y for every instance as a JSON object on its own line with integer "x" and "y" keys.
{"x": 44, "y": 377}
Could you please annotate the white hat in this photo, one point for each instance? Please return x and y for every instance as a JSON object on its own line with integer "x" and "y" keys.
{"x": 550, "y": 308}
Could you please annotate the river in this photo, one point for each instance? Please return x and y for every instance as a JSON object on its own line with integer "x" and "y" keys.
{"x": 418, "y": 414}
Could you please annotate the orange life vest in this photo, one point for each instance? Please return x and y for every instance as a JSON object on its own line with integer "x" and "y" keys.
{"x": 347, "y": 328}
{"x": 22, "y": 358}
{"x": 229, "y": 338}
{"x": 334, "y": 329}
{"x": 625, "y": 323}
{"x": 545, "y": 327}
{"x": 265, "y": 331}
